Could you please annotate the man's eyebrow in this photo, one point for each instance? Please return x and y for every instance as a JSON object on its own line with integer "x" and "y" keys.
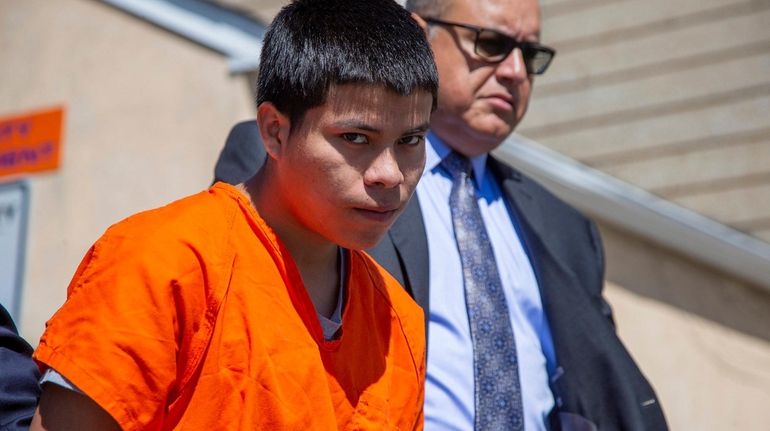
{"x": 355, "y": 124}
{"x": 419, "y": 129}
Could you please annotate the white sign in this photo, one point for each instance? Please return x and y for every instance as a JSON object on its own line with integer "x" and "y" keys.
{"x": 14, "y": 204}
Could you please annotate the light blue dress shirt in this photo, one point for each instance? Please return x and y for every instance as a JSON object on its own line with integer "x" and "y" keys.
{"x": 449, "y": 396}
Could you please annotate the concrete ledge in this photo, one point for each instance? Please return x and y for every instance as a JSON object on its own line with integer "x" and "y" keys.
{"x": 641, "y": 212}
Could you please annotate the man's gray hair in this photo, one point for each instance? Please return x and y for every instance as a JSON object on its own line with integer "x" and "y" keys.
{"x": 434, "y": 8}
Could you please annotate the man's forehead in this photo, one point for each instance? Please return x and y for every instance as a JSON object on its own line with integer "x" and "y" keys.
{"x": 376, "y": 104}
{"x": 365, "y": 96}
{"x": 515, "y": 17}
{"x": 347, "y": 90}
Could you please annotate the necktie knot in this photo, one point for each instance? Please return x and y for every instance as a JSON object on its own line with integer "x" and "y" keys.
{"x": 457, "y": 164}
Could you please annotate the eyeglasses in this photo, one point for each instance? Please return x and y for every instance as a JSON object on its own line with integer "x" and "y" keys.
{"x": 493, "y": 46}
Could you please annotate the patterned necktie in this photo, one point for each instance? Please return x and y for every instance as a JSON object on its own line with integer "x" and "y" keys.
{"x": 495, "y": 364}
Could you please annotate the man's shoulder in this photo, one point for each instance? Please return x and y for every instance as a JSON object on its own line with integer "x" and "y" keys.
{"x": 515, "y": 183}
{"x": 200, "y": 216}
{"x": 570, "y": 235}
{"x": 173, "y": 239}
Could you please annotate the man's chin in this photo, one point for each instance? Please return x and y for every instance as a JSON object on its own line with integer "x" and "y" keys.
{"x": 363, "y": 242}
{"x": 493, "y": 124}
{"x": 477, "y": 135}
{"x": 503, "y": 126}
{"x": 488, "y": 136}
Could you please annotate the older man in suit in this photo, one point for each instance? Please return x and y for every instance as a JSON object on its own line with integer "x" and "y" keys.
{"x": 511, "y": 277}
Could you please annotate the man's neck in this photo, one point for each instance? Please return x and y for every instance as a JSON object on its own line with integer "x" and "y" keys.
{"x": 316, "y": 258}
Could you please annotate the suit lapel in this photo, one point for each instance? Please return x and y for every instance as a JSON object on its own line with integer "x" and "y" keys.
{"x": 411, "y": 243}
{"x": 532, "y": 220}
{"x": 560, "y": 290}
{"x": 552, "y": 274}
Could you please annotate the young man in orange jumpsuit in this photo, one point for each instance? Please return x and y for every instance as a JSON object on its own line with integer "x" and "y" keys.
{"x": 252, "y": 306}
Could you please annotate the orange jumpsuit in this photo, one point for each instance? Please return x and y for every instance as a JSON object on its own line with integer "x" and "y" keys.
{"x": 194, "y": 316}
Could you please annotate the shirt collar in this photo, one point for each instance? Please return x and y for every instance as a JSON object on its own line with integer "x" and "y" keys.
{"x": 436, "y": 150}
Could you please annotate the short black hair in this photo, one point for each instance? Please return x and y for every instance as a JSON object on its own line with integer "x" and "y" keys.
{"x": 313, "y": 44}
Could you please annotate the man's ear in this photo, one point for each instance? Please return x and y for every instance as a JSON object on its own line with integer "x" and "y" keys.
{"x": 274, "y": 128}
{"x": 421, "y": 22}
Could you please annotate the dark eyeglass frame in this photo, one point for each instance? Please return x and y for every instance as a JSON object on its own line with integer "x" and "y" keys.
{"x": 529, "y": 50}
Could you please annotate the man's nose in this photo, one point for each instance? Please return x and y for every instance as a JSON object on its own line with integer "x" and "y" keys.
{"x": 513, "y": 68}
{"x": 384, "y": 171}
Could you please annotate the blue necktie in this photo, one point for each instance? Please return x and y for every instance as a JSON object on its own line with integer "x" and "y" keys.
{"x": 495, "y": 364}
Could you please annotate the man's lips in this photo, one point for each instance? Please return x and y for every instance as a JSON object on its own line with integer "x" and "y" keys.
{"x": 500, "y": 101}
{"x": 380, "y": 214}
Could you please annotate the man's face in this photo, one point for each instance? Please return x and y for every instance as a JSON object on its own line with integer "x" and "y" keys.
{"x": 480, "y": 103}
{"x": 350, "y": 167}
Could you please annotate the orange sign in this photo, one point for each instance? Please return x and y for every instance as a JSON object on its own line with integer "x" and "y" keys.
{"x": 31, "y": 142}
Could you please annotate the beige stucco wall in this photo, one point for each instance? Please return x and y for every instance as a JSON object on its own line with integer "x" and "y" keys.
{"x": 670, "y": 95}
{"x": 702, "y": 338}
{"x": 147, "y": 113}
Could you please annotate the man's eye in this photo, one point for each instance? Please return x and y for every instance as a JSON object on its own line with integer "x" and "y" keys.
{"x": 490, "y": 45}
{"x": 412, "y": 140}
{"x": 355, "y": 138}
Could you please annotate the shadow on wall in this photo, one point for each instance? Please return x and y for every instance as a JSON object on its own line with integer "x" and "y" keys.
{"x": 660, "y": 274}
